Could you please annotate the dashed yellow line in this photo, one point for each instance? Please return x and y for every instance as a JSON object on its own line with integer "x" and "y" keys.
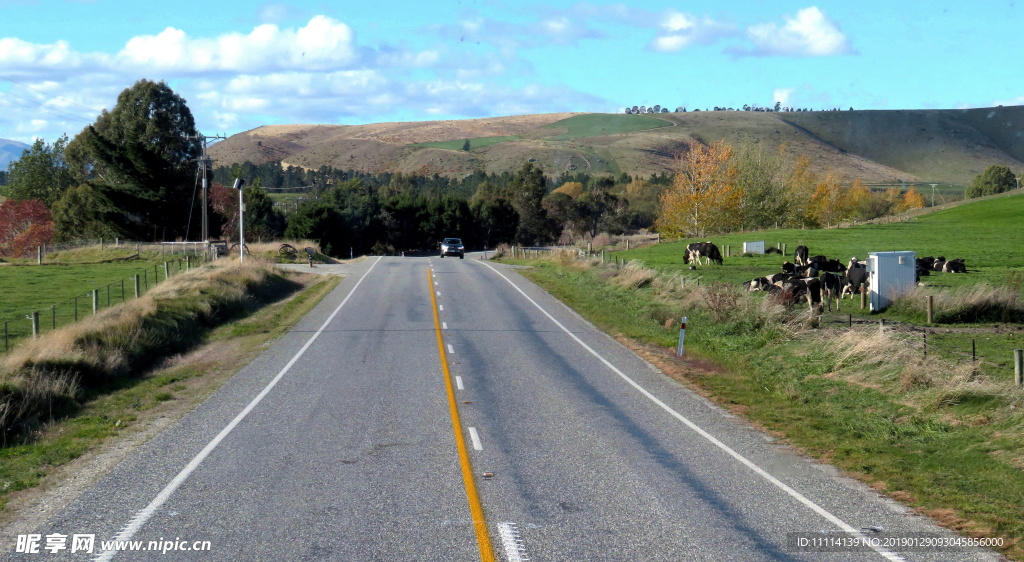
{"x": 475, "y": 509}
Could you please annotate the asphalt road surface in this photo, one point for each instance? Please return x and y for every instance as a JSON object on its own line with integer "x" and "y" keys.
{"x": 449, "y": 410}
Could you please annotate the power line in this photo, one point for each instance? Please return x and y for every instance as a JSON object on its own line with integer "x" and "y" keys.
{"x": 48, "y": 95}
{"x": 44, "y": 108}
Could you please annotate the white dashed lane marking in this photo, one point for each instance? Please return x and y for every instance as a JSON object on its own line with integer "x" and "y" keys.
{"x": 451, "y": 349}
{"x": 476, "y": 439}
{"x": 458, "y": 383}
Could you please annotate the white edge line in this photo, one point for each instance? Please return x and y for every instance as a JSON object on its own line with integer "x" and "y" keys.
{"x": 141, "y": 517}
{"x": 458, "y": 382}
{"x": 758, "y": 470}
{"x": 475, "y": 437}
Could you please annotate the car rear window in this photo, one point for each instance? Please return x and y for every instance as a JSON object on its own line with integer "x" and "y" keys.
{"x": 452, "y": 241}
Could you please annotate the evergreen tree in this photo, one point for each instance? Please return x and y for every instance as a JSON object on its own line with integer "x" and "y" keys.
{"x": 526, "y": 193}
{"x": 995, "y": 179}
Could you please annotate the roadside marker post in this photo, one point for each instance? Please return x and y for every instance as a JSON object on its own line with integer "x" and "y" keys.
{"x": 1018, "y": 366}
{"x": 682, "y": 334}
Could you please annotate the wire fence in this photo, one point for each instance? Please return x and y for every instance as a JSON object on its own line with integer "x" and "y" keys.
{"x": 55, "y": 315}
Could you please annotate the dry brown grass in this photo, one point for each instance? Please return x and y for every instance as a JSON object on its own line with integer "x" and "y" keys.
{"x": 41, "y": 377}
{"x": 968, "y": 304}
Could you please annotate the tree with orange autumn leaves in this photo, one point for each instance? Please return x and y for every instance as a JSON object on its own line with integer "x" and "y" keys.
{"x": 704, "y": 197}
{"x": 709, "y": 194}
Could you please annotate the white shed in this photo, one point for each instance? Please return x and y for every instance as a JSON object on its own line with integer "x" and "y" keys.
{"x": 753, "y": 247}
{"x": 890, "y": 274}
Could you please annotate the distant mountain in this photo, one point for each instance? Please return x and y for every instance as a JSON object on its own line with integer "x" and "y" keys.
{"x": 879, "y": 147}
{"x": 9, "y": 151}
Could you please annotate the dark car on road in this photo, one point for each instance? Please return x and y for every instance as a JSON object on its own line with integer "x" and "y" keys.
{"x": 453, "y": 247}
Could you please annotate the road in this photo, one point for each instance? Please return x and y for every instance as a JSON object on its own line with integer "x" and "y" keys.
{"x": 366, "y": 432}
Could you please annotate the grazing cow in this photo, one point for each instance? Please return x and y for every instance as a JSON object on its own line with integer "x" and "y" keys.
{"x": 800, "y": 255}
{"x": 788, "y": 268}
{"x": 811, "y": 288}
{"x": 954, "y": 266}
{"x": 831, "y": 288}
{"x": 855, "y": 278}
{"x": 705, "y": 250}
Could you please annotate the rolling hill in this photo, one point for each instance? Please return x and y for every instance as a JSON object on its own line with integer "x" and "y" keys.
{"x": 880, "y": 147}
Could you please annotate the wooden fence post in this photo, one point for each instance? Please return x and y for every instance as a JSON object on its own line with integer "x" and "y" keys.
{"x": 39, "y": 255}
{"x": 138, "y": 288}
{"x": 930, "y": 303}
{"x": 95, "y": 301}
{"x": 1018, "y": 366}
{"x": 35, "y": 324}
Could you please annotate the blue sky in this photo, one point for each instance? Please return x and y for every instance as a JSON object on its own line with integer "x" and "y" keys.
{"x": 241, "y": 65}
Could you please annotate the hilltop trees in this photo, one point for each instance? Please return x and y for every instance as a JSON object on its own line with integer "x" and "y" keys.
{"x": 995, "y": 179}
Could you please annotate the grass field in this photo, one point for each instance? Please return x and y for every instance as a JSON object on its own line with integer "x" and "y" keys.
{"x": 31, "y": 288}
{"x": 600, "y": 124}
{"x": 984, "y": 233}
{"x": 473, "y": 143}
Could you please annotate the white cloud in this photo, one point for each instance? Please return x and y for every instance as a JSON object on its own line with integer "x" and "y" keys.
{"x": 781, "y": 95}
{"x": 810, "y": 34}
{"x": 679, "y": 30}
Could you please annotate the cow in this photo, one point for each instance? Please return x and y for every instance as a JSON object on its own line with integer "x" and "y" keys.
{"x": 832, "y": 266}
{"x": 954, "y": 266}
{"x": 938, "y": 264}
{"x": 811, "y": 288}
{"x": 831, "y": 288}
{"x": 759, "y": 284}
{"x": 855, "y": 278}
{"x": 788, "y": 268}
{"x": 800, "y": 255}
{"x": 773, "y": 251}
{"x": 854, "y": 262}
{"x": 817, "y": 259}
{"x": 809, "y": 270}
{"x": 707, "y": 250}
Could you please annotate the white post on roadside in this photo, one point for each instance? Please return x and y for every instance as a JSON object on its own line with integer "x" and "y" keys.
{"x": 239, "y": 183}
{"x": 682, "y": 334}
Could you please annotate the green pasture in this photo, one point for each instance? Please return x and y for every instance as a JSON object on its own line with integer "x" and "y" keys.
{"x": 985, "y": 234}
{"x": 478, "y": 142}
{"x": 51, "y": 288}
{"x": 599, "y": 124}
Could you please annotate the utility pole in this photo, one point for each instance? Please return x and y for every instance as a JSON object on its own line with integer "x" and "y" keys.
{"x": 204, "y": 164}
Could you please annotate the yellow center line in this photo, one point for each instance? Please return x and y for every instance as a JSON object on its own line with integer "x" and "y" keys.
{"x": 477, "y": 510}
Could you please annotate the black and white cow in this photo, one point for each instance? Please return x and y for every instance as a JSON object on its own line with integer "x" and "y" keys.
{"x": 811, "y": 288}
{"x": 831, "y": 288}
{"x": 800, "y": 255}
{"x": 832, "y": 266}
{"x": 706, "y": 250}
{"x": 954, "y": 266}
{"x": 855, "y": 278}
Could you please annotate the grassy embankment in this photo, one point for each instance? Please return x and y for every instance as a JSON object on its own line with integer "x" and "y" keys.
{"x": 939, "y": 433}
{"x": 50, "y": 289}
{"x": 70, "y": 390}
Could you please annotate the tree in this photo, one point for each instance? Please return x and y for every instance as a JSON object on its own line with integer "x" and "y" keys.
{"x": 496, "y": 218}
{"x": 83, "y": 212}
{"x": 703, "y": 198}
{"x": 141, "y": 156}
{"x": 24, "y": 225}
{"x": 317, "y": 220}
{"x": 262, "y": 220}
{"x": 526, "y": 193}
{"x": 41, "y": 173}
{"x": 912, "y": 199}
{"x": 800, "y": 189}
{"x": 465, "y": 145}
{"x": 995, "y": 179}
{"x": 828, "y": 205}
{"x": 761, "y": 175}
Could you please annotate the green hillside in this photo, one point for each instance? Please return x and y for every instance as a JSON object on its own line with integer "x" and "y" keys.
{"x": 601, "y": 124}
